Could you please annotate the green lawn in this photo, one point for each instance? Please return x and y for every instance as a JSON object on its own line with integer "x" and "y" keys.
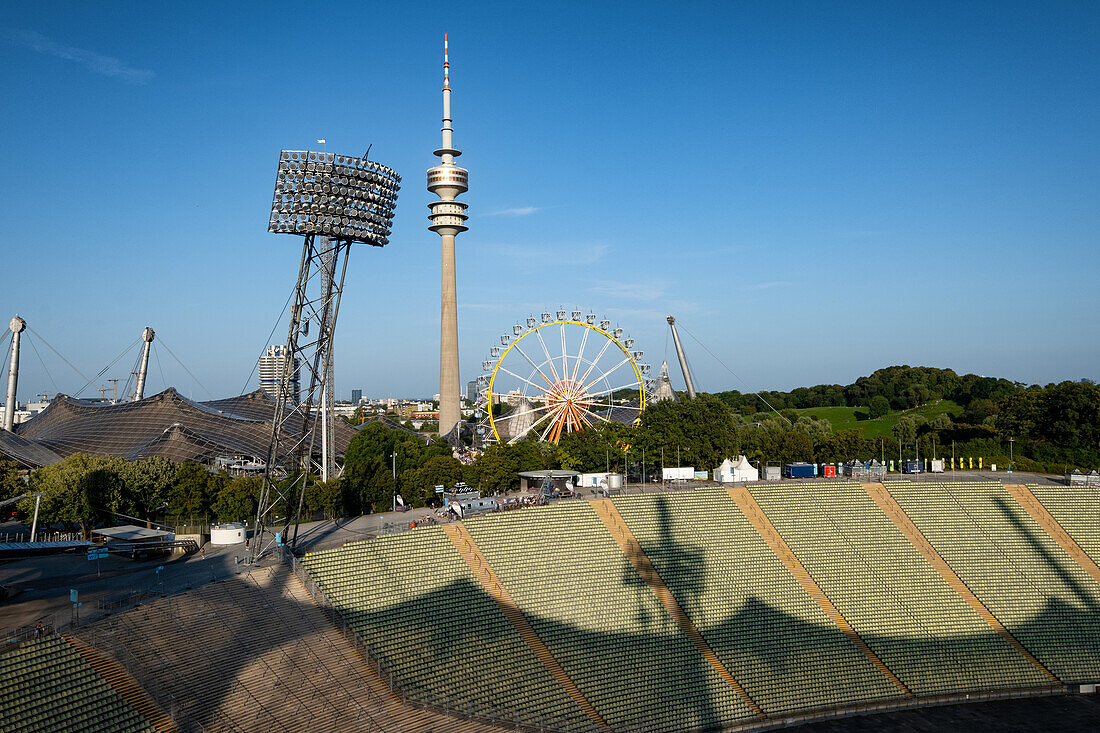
{"x": 844, "y": 418}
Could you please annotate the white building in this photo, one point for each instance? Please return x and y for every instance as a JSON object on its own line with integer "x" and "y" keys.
{"x": 271, "y": 365}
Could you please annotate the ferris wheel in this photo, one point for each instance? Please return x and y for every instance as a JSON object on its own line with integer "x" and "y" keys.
{"x": 563, "y": 372}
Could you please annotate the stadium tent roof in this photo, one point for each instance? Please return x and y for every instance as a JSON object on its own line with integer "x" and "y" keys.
{"x": 258, "y": 405}
{"x": 132, "y": 533}
{"x": 167, "y": 425}
{"x": 392, "y": 425}
{"x": 25, "y": 453}
{"x": 661, "y": 389}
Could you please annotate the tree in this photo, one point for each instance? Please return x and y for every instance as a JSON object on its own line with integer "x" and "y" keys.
{"x": 812, "y": 426}
{"x": 844, "y": 445}
{"x": 905, "y": 430}
{"x": 191, "y": 495}
{"x": 146, "y": 485}
{"x": 585, "y": 450}
{"x": 236, "y": 499}
{"x": 418, "y": 485}
{"x": 495, "y": 470}
{"x": 878, "y": 407}
{"x": 941, "y": 422}
{"x": 702, "y": 429}
{"x": 324, "y": 496}
{"x": 11, "y": 480}
{"x": 75, "y": 491}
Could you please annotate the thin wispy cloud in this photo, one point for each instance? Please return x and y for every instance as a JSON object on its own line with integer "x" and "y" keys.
{"x": 630, "y": 290}
{"x": 769, "y": 285}
{"x": 517, "y": 211}
{"x": 96, "y": 63}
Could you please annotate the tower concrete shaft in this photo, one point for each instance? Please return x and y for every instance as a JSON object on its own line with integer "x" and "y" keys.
{"x": 17, "y": 326}
{"x": 682, "y": 358}
{"x": 448, "y": 219}
{"x": 139, "y": 386}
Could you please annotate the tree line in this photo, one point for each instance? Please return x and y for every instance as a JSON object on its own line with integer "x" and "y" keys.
{"x": 1051, "y": 428}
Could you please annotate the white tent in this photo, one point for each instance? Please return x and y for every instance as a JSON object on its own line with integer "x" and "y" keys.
{"x": 734, "y": 471}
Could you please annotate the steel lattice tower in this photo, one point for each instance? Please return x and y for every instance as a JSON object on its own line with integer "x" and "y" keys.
{"x": 334, "y": 201}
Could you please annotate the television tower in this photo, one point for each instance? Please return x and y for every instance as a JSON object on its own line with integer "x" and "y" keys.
{"x": 448, "y": 217}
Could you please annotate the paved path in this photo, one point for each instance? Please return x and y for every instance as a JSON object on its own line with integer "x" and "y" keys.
{"x": 40, "y": 586}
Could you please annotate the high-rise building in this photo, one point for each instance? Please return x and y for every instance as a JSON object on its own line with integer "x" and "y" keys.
{"x": 272, "y": 367}
{"x": 356, "y": 396}
{"x": 471, "y": 391}
{"x": 448, "y": 217}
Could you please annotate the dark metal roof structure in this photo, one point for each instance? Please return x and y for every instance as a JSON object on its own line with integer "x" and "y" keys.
{"x": 166, "y": 424}
{"x": 392, "y": 425}
{"x": 25, "y": 453}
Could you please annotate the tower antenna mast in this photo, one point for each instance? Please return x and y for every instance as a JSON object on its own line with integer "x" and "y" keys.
{"x": 448, "y": 219}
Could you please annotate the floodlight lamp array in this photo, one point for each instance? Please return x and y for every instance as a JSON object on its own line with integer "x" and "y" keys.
{"x": 338, "y": 196}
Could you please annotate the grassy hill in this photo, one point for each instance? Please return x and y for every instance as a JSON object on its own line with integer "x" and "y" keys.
{"x": 844, "y": 418}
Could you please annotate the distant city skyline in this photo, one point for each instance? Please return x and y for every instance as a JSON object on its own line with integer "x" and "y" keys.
{"x": 815, "y": 192}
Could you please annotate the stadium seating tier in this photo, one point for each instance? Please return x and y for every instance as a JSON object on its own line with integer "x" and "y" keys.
{"x": 913, "y": 620}
{"x": 763, "y": 625}
{"x": 1033, "y": 587}
{"x": 46, "y": 686}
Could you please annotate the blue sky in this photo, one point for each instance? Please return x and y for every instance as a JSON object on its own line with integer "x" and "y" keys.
{"x": 815, "y": 190}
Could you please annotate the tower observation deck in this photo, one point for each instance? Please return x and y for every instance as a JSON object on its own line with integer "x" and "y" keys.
{"x": 448, "y": 219}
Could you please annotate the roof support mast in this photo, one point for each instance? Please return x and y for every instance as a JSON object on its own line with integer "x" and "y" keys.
{"x": 682, "y": 358}
{"x": 139, "y": 387}
{"x": 17, "y": 326}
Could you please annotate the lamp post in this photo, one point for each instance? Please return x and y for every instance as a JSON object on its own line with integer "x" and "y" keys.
{"x": 1010, "y": 456}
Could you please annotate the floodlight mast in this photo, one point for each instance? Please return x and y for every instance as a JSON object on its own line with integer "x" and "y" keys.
{"x": 333, "y": 201}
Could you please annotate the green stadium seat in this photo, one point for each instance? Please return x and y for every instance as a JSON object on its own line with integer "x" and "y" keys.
{"x": 928, "y": 636}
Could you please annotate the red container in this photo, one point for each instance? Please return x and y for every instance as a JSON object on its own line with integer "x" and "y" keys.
{"x": 828, "y": 470}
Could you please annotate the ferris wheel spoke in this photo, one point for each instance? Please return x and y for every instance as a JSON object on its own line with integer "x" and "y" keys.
{"x": 516, "y": 438}
{"x": 597, "y": 415}
{"x": 532, "y": 362}
{"x": 549, "y": 359}
{"x": 623, "y": 362}
{"x": 580, "y": 355}
{"x": 595, "y": 361}
{"x": 560, "y": 422}
{"x": 612, "y": 390}
{"x": 556, "y": 412}
{"x": 606, "y": 374}
{"x": 506, "y": 370}
{"x": 512, "y": 415}
{"x": 565, "y": 354}
{"x": 578, "y": 415}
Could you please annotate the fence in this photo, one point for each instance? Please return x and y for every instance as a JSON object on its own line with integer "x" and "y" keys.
{"x": 42, "y": 535}
{"x": 104, "y": 640}
{"x": 21, "y": 634}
